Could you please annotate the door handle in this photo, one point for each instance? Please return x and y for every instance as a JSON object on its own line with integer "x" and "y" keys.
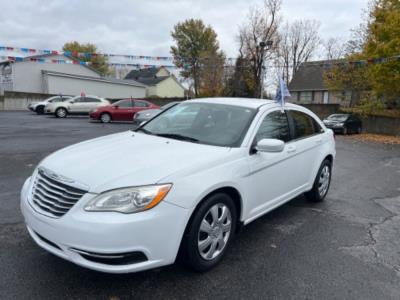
{"x": 291, "y": 149}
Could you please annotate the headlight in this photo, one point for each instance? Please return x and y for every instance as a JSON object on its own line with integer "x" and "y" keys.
{"x": 338, "y": 124}
{"x": 129, "y": 200}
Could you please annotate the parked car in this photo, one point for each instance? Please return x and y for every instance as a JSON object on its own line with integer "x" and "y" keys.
{"x": 343, "y": 123}
{"x": 123, "y": 110}
{"x": 75, "y": 105}
{"x": 147, "y": 114}
{"x": 133, "y": 200}
{"x": 38, "y": 107}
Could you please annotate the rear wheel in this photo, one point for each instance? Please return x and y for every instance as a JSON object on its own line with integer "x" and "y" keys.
{"x": 105, "y": 118}
{"x": 61, "y": 112}
{"x": 321, "y": 182}
{"x": 40, "y": 110}
{"x": 210, "y": 231}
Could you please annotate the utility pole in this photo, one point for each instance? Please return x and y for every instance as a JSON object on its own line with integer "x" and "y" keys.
{"x": 264, "y": 46}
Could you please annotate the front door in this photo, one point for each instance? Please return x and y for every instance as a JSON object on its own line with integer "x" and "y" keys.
{"x": 271, "y": 180}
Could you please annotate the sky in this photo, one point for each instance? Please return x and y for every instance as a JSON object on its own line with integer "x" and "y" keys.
{"x": 143, "y": 27}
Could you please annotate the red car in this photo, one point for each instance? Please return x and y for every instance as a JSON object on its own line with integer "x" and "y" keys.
{"x": 123, "y": 110}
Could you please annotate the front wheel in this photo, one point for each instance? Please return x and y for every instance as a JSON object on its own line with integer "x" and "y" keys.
{"x": 321, "y": 183}
{"x": 210, "y": 231}
{"x": 61, "y": 112}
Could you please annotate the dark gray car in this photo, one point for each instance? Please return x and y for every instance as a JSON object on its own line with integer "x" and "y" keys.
{"x": 145, "y": 115}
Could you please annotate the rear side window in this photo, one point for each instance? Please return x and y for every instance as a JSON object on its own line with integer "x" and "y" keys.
{"x": 141, "y": 104}
{"x": 92, "y": 100}
{"x": 304, "y": 125}
{"x": 274, "y": 126}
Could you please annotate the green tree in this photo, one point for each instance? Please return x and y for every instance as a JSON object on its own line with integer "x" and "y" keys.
{"x": 97, "y": 62}
{"x": 383, "y": 40}
{"x": 195, "y": 42}
{"x": 378, "y": 80}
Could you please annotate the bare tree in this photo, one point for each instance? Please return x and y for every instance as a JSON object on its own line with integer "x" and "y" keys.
{"x": 297, "y": 44}
{"x": 334, "y": 48}
{"x": 260, "y": 28}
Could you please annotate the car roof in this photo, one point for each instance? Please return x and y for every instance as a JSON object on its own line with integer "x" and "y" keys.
{"x": 244, "y": 102}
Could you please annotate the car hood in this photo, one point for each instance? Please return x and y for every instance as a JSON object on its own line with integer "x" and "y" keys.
{"x": 130, "y": 159}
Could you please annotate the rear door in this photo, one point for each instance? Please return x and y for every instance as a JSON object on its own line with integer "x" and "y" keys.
{"x": 307, "y": 142}
{"x": 91, "y": 103}
{"x": 124, "y": 110}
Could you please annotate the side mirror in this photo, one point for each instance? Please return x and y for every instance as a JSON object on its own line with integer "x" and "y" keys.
{"x": 116, "y": 106}
{"x": 270, "y": 145}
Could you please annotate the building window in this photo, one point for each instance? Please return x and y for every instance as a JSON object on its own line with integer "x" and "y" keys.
{"x": 305, "y": 96}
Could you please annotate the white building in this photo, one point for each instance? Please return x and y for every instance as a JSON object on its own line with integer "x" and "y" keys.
{"x": 61, "y": 78}
{"x": 159, "y": 81}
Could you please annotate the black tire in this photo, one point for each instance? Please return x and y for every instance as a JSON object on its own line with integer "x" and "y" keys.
{"x": 105, "y": 118}
{"x": 190, "y": 243}
{"x": 40, "y": 110}
{"x": 61, "y": 112}
{"x": 315, "y": 194}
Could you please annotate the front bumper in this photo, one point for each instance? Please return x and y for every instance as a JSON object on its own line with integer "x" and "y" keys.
{"x": 153, "y": 237}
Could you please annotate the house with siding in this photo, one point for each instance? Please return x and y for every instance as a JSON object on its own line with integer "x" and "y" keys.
{"x": 308, "y": 86}
{"x": 61, "y": 78}
{"x": 159, "y": 81}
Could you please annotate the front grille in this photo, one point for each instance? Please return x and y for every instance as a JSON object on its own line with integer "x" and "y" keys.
{"x": 53, "y": 197}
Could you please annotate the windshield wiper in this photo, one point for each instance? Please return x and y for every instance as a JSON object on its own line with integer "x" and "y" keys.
{"x": 178, "y": 137}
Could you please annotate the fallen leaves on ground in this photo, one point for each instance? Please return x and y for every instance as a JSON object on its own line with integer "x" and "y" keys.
{"x": 376, "y": 138}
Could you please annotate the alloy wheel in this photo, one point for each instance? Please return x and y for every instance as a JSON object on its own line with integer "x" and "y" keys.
{"x": 214, "y": 231}
{"x": 61, "y": 113}
{"x": 324, "y": 179}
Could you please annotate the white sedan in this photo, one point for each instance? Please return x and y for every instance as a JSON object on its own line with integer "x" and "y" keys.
{"x": 184, "y": 183}
{"x": 76, "y": 105}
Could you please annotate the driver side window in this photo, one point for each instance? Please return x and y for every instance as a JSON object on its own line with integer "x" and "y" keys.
{"x": 274, "y": 126}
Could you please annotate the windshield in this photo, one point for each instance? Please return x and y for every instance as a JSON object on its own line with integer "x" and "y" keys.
{"x": 338, "y": 117}
{"x": 205, "y": 123}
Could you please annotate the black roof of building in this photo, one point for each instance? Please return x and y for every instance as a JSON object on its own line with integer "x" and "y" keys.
{"x": 146, "y": 76}
{"x": 310, "y": 76}
{"x": 142, "y": 73}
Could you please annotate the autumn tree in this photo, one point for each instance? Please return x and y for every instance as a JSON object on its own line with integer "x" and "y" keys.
{"x": 211, "y": 74}
{"x": 196, "y": 49}
{"x": 333, "y": 48}
{"x": 368, "y": 67}
{"x": 261, "y": 28}
{"x": 97, "y": 62}
{"x": 298, "y": 41}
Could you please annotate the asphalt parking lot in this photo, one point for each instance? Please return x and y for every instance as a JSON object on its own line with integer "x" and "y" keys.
{"x": 347, "y": 247}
